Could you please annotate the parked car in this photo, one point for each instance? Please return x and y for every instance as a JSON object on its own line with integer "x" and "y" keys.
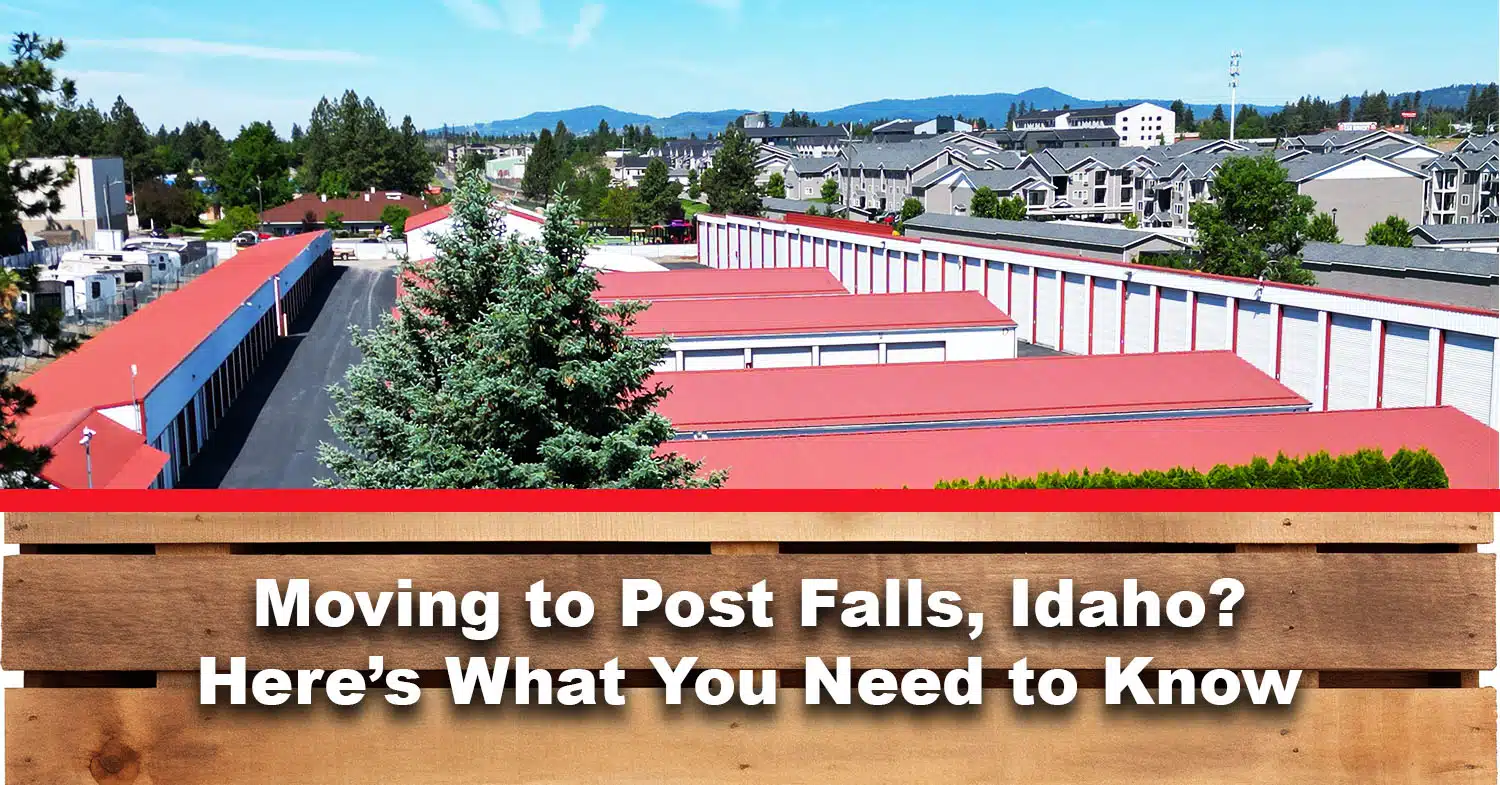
{"x": 245, "y": 239}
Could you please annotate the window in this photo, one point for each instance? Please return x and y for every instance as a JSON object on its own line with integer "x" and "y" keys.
{"x": 94, "y": 291}
{"x": 1099, "y": 178}
{"x": 1465, "y": 200}
{"x": 1127, "y": 195}
{"x": 1099, "y": 196}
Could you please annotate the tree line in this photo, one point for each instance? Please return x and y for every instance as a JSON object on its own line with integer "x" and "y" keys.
{"x": 1309, "y": 115}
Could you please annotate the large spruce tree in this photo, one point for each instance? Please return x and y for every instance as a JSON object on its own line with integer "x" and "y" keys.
{"x": 732, "y": 190}
{"x": 503, "y": 371}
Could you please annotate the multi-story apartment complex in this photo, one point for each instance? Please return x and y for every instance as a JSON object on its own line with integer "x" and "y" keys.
{"x": 1462, "y": 188}
{"x": 879, "y": 177}
{"x": 1140, "y": 125}
{"x": 687, "y": 153}
{"x": 817, "y": 142}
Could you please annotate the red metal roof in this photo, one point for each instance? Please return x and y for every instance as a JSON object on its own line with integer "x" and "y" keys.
{"x": 685, "y": 284}
{"x": 965, "y": 391}
{"x": 920, "y": 459}
{"x": 159, "y": 336}
{"x": 361, "y": 207}
{"x": 120, "y": 457}
{"x": 840, "y": 225}
{"x": 428, "y": 217}
{"x": 828, "y": 314}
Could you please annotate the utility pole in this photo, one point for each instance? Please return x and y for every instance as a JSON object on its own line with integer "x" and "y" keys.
{"x": 88, "y": 454}
{"x": 1234, "y": 86}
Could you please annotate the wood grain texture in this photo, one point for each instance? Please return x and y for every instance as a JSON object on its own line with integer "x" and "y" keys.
{"x": 1312, "y": 611}
{"x": 1168, "y": 527}
{"x": 1329, "y": 737}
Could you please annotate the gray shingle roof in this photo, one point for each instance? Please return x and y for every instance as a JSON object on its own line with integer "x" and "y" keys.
{"x": 895, "y": 155}
{"x": 812, "y": 166}
{"x": 1455, "y": 232}
{"x": 1038, "y": 231}
{"x": 798, "y": 133}
{"x": 1468, "y": 263}
{"x": 797, "y": 205}
{"x": 1300, "y": 169}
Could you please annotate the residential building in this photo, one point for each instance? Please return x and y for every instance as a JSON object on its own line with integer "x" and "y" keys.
{"x": 773, "y": 159}
{"x": 755, "y": 120}
{"x": 628, "y": 170}
{"x": 781, "y": 208}
{"x": 1458, "y": 237}
{"x": 805, "y": 176}
{"x": 1139, "y": 125}
{"x": 1346, "y": 141}
{"x": 512, "y": 167}
{"x": 360, "y": 212}
{"x": 94, "y": 202}
{"x": 1359, "y": 190}
{"x": 906, "y": 130}
{"x": 1475, "y": 144}
{"x": 879, "y": 177}
{"x": 1107, "y": 243}
{"x": 817, "y": 142}
{"x": 687, "y": 153}
{"x": 1100, "y": 184}
{"x": 1462, "y": 187}
{"x": 1471, "y": 280}
{"x": 1051, "y": 139}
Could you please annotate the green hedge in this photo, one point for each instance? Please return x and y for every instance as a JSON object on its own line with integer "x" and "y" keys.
{"x": 1365, "y": 469}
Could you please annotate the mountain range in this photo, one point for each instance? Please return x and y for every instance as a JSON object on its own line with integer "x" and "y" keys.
{"x": 991, "y": 106}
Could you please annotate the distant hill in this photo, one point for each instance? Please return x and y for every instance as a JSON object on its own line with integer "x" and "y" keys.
{"x": 991, "y": 106}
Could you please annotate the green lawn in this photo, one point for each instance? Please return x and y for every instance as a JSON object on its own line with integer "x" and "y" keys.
{"x": 691, "y": 208}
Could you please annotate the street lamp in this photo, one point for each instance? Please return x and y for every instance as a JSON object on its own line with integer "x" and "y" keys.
{"x": 108, "y": 184}
{"x": 88, "y": 454}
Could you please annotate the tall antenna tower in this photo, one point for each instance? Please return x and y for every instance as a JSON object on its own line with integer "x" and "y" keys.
{"x": 1234, "y": 87}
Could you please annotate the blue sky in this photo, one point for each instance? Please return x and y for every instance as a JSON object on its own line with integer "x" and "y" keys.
{"x": 463, "y": 61}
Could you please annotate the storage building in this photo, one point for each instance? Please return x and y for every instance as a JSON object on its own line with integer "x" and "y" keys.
{"x": 698, "y": 284}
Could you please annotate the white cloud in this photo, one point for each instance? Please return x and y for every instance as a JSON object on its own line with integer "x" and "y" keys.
{"x": 588, "y": 19}
{"x": 192, "y": 47}
{"x": 524, "y": 17}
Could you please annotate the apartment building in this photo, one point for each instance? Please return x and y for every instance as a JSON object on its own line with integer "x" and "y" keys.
{"x": 1139, "y": 125}
{"x": 1462, "y": 187}
{"x": 1100, "y": 184}
{"x": 879, "y": 177}
{"x": 1346, "y": 141}
{"x": 906, "y": 130}
{"x": 818, "y": 142}
{"x": 94, "y": 202}
{"x": 687, "y": 153}
{"x": 805, "y": 177}
{"x": 1483, "y": 237}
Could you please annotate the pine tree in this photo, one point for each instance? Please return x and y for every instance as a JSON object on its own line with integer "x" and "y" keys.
{"x": 541, "y": 168}
{"x": 503, "y": 371}
{"x": 659, "y": 199}
{"x": 732, "y": 190}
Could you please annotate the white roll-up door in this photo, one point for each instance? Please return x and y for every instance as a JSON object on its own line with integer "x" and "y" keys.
{"x": 846, "y": 265}
{"x": 916, "y": 352}
{"x": 1254, "y": 332}
{"x": 1046, "y": 308}
{"x": 1213, "y": 323}
{"x": 1020, "y": 299}
{"x": 852, "y": 354}
{"x": 666, "y": 363}
{"x": 932, "y": 273}
{"x": 713, "y": 359}
{"x": 755, "y": 249}
{"x": 953, "y": 273}
{"x": 1300, "y": 342}
{"x": 1350, "y": 351}
{"x": 880, "y": 272}
{"x": 1468, "y": 367}
{"x": 1075, "y": 317}
{"x": 805, "y": 252}
{"x": 780, "y": 251}
{"x": 996, "y": 283}
{"x": 1140, "y": 313}
{"x": 1106, "y": 316}
{"x": 782, "y": 357}
{"x": 1173, "y": 321}
{"x": 913, "y": 280}
{"x": 973, "y": 274}
{"x": 1408, "y": 354}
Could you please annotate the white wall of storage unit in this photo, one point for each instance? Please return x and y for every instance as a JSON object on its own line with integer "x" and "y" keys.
{"x": 1341, "y": 350}
{"x": 715, "y": 353}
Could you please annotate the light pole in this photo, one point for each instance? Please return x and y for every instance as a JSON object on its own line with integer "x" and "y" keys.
{"x": 88, "y": 454}
{"x": 108, "y": 184}
{"x": 1234, "y": 86}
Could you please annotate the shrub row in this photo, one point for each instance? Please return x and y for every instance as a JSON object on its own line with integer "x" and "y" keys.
{"x": 1365, "y": 469}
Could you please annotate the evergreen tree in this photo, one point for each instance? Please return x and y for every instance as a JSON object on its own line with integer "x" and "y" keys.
{"x": 1012, "y": 209}
{"x": 830, "y": 192}
{"x": 659, "y": 199}
{"x": 127, "y": 138}
{"x": 541, "y": 168}
{"x": 503, "y": 371}
{"x": 732, "y": 190}
{"x": 695, "y": 185}
{"x": 776, "y": 186}
{"x": 257, "y": 169}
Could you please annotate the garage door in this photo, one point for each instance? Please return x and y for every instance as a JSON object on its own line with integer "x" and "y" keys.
{"x": 1106, "y": 316}
{"x": 953, "y": 273}
{"x": 713, "y": 360}
{"x": 1213, "y": 323}
{"x": 805, "y": 252}
{"x": 1046, "y": 308}
{"x": 974, "y": 274}
{"x": 1300, "y": 349}
{"x": 1408, "y": 352}
{"x": 913, "y": 280}
{"x": 1075, "y": 337}
{"x": 1468, "y": 365}
{"x": 779, "y": 250}
{"x": 1020, "y": 299}
{"x": 1140, "y": 313}
{"x": 1173, "y": 321}
{"x": 917, "y": 352}
{"x": 995, "y": 273}
{"x": 1254, "y": 332}
{"x": 782, "y": 357}
{"x": 880, "y": 272}
{"x": 854, "y": 354}
{"x": 932, "y": 273}
{"x": 845, "y": 256}
{"x": 667, "y": 362}
{"x": 1349, "y": 353}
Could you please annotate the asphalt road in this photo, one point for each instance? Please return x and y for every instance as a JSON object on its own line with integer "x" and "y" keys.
{"x": 270, "y": 438}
